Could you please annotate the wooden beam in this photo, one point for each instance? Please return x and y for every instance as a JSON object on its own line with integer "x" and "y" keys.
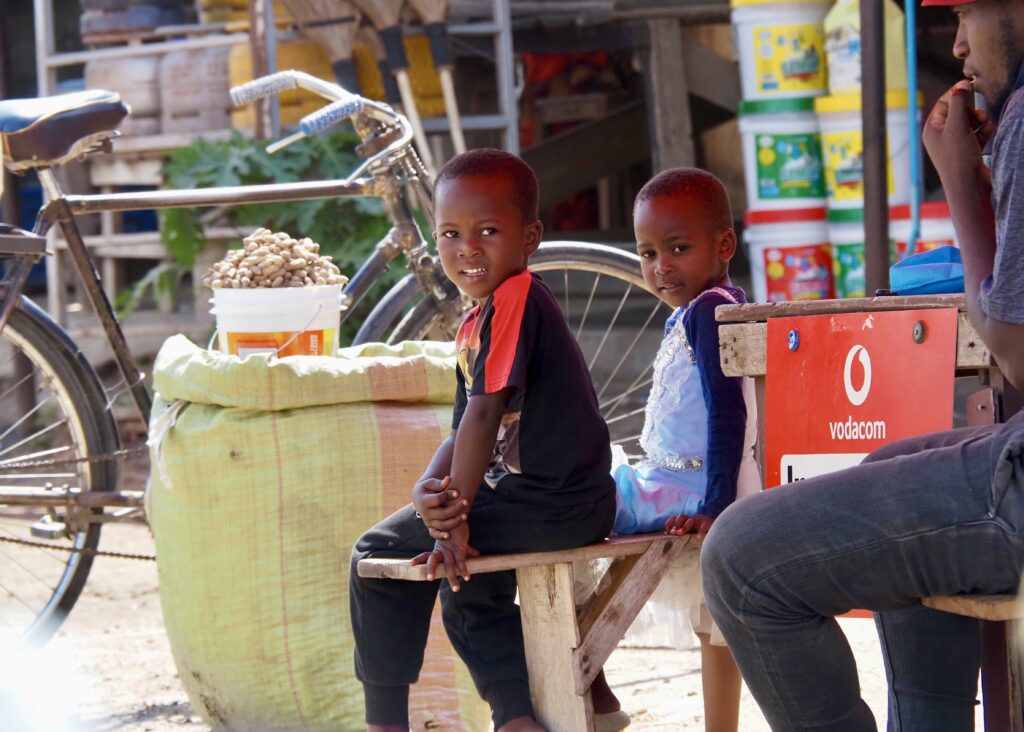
{"x": 668, "y": 98}
{"x": 711, "y": 77}
{"x": 567, "y": 164}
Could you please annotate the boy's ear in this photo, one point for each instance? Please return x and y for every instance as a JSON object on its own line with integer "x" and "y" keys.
{"x": 534, "y": 235}
{"x": 727, "y": 245}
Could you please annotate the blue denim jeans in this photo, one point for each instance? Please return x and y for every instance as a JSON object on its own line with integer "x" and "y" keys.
{"x": 936, "y": 515}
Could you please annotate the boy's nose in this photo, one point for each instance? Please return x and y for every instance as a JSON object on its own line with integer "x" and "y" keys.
{"x": 661, "y": 266}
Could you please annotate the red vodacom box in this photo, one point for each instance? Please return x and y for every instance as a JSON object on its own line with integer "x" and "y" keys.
{"x": 839, "y": 386}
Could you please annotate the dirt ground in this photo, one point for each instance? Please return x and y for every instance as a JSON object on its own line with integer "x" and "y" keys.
{"x": 110, "y": 668}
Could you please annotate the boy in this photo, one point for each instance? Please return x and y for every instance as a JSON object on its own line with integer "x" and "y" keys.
{"x": 526, "y": 466}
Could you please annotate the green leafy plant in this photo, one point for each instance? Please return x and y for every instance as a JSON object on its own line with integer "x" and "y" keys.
{"x": 346, "y": 228}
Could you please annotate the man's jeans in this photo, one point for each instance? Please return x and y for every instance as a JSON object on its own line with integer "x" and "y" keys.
{"x": 935, "y": 515}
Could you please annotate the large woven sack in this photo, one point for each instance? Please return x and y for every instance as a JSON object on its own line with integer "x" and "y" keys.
{"x": 264, "y": 475}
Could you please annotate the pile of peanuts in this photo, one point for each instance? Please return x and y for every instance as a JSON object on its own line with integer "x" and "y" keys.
{"x": 271, "y": 259}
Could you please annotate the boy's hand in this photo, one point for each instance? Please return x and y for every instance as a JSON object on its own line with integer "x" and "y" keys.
{"x": 452, "y": 553}
{"x": 955, "y": 133}
{"x": 681, "y": 525}
{"x": 439, "y": 507}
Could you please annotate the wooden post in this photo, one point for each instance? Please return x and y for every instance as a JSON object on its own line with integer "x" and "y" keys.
{"x": 875, "y": 151}
{"x": 668, "y": 98}
{"x": 551, "y": 636}
{"x": 261, "y": 42}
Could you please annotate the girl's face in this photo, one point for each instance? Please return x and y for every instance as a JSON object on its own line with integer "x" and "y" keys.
{"x": 681, "y": 252}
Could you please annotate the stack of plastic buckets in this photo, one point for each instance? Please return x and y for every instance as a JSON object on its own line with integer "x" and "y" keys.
{"x": 781, "y": 49}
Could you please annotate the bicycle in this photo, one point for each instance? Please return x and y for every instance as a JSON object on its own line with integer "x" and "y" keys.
{"x": 59, "y": 443}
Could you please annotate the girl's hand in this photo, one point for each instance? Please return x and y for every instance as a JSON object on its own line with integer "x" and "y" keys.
{"x": 681, "y": 525}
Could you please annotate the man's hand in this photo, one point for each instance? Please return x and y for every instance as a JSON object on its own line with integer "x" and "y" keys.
{"x": 440, "y": 508}
{"x": 681, "y": 525}
{"x": 452, "y": 553}
{"x": 955, "y": 134}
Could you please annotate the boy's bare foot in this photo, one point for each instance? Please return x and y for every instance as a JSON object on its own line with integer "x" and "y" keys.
{"x": 386, "y": 728}
{"x": 603, "y": 697}
{"x": 521, "y": 724}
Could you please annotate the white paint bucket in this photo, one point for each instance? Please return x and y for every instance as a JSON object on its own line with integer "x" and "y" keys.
{"x": 283, "y": 321}
{"x": 790, "y": 257}
{"x": 781, "y": 47}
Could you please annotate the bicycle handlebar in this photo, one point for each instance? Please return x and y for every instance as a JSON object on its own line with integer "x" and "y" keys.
{"x": 263, "y": 87}
{"x": 331, "y": 115}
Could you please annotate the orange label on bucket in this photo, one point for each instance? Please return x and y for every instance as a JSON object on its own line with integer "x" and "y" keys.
{"x": 303, "y": 343}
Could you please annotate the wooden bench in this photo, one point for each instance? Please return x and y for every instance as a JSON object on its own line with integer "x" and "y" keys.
{"x": 565, "y": 650}
{"x": 1001, "y": 659}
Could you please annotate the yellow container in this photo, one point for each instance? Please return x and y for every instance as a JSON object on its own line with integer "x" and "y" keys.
{"x": 233, "y": 11}
{"x": 842, "y": 46}
{"x": 423, "y": 77}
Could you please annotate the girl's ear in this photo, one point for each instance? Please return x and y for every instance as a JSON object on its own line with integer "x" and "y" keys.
{"x": 727, "y": 245}
{"x": 534, "y": 235}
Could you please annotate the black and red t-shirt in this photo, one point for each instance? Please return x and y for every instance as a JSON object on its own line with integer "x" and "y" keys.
{"x": 553, "y": 446}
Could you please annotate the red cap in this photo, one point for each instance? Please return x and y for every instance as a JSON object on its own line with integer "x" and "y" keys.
{"x": 926, "y": 3}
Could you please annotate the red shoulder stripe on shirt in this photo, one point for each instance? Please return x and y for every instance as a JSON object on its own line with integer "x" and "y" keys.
{"x": 509, "y": 305}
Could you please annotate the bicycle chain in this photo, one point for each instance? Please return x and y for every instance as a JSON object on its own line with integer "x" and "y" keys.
{"x": 86, "y": 552}
{"x": 105, "y": 457}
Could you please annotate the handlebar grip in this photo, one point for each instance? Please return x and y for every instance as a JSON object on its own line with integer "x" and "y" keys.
{"x": 262, "y": 87}
{"x": 331, "y": 115}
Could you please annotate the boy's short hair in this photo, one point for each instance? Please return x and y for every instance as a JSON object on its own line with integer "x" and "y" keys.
{"x": 491, "y": 161}
{"x": 697, "y": 184}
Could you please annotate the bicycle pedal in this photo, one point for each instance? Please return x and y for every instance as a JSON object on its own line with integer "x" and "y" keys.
{"x": 47, "y": 528}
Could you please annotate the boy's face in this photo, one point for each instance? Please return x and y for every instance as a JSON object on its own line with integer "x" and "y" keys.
{"x": 681, "y": 252}
{"x": 480, "y": 234}
{"x": 989, "y": 42}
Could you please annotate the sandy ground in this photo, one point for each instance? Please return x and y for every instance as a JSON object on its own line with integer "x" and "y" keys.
{"x": 110, "y": 668}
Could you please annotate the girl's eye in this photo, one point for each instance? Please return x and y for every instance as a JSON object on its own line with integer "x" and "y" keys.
{"x": 449, "y": 234}
{"x": 647, "y": 254}
{"x": 488, "y": 231}
{"x": 680, "y": 248}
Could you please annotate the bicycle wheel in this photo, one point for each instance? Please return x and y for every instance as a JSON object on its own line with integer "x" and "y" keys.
{"x": 52, "y": 413}
{"x": 617, "y": 322}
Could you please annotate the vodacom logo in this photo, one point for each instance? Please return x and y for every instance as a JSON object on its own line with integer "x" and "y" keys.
{"x": 857, "y": 396}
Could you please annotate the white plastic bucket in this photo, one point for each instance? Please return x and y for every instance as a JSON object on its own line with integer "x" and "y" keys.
{"x": 790, "y": 257}
{"x": 936, "y": 229}
{"x": 782, "y": 154}
{"x": 842, "y": 146}
{"x": 284, "y": 321}
{"x": 781, "y": 47}
{"x": 846, "y": 234}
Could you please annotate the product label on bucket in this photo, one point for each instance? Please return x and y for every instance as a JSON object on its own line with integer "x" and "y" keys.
{"x": 789, "y": 166}
{"x": 844, "y": 166}
{"x": 303, "y": 343}
{"x": 790, "y": 59}
{"x": 848, "y": 269}
{"x": 798, "y": 273}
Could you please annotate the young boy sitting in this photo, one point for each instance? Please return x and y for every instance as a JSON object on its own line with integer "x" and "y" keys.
{"x": 526, "y": 467}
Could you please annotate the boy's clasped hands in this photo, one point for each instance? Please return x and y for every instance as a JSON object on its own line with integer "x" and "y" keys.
{"x": 446, "y": 517}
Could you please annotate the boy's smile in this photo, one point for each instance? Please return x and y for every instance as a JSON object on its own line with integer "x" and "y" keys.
{"x": 681, "y": 254}
{"x": 481, "y": 237}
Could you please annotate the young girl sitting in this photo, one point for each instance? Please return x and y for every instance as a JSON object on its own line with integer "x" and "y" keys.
{"x": 698, "y": 433}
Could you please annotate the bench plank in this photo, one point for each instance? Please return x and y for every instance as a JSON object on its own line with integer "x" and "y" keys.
{"x": 983, "y": 607}
{"x": 618, "y": 546}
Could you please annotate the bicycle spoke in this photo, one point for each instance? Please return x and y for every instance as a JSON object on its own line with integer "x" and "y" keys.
{"x": 608, "y": 330}
{"x": 36, "y": 476}
{"x": 624, "y": 440}
{"x": 16, "y": 385}
{"x": 627, "y": 415}
{"x": 565, "y": 278}
{"x": 32, "y": 456}
{"x": 58, "y": 557}
{"x": 26, "y": 416}
{"x": 16, "y": 597}
{"x": 586, "y": 310}
{"x": 612, "y": 404}
{"x": 34, "y": 436}
{"x": 629, "y": 351}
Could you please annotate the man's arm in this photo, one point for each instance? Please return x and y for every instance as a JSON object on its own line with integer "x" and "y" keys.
{"x": 954, "y": 135}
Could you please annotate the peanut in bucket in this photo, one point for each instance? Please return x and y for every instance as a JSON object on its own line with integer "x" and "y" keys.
{"x": 278, "y": 296}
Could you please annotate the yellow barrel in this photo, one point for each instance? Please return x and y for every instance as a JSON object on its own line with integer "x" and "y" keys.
{"x": 300, "y": 55}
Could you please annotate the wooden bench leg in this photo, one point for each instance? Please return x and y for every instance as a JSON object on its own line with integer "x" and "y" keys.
{"x": 551, "y": 635}
{"x": 1000, "y": 677}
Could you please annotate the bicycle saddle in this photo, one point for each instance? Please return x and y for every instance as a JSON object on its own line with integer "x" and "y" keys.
{"x": 41, "y": 133}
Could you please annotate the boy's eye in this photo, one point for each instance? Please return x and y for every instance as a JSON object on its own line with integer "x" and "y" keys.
{"x": 646, "y": 254}
{"x": 680, "y": 248}
{"x": 449, "y": 234}
{"x": 488, "y": 231}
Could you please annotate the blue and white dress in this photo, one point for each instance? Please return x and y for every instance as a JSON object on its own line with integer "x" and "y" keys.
{"x": 698, "y": 438}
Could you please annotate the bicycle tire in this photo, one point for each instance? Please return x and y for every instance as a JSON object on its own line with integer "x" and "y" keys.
{"x": 643, "y": 331}
{"x": 38, "y": 587}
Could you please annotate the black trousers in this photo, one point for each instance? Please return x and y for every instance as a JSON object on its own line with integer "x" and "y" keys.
{"x": 391, "y": 618}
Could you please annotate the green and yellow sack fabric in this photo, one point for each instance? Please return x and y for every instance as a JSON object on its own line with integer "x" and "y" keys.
{"x": 264, "y": 475}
